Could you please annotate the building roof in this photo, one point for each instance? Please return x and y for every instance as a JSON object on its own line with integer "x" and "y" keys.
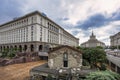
{"x": 114, "y": 59}
{"x": 64, "y": 46}
{"x": 115, "y": 35}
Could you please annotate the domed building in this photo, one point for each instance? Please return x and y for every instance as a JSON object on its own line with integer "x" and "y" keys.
{"x": 93, "y": 42}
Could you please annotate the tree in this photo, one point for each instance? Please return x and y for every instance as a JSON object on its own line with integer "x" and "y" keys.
{"x": 119, "y": 46}
{"x": 94, "y": 56}
{"x": 103, "y": 75}
{"x": 9, "y": 52}
{"x": 113, "y": 47}
{"x": 12, "y": 52}
{"x": 103, "y": 67}
{"x": 99, "y": 47}
{"x": 85, "y": 62}
{"x": 5, "y": 53}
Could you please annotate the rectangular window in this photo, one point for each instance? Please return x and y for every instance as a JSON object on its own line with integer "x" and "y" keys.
{"x": 65, "y": 63}
{"x": 65, "y": 60}
{"x": 31, "y": 33}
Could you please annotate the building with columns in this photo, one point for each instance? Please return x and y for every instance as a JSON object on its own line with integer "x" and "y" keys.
{"x": 115, "y": 40}
{"x": 34, "y": 32}
{"x": 93, "y": 42}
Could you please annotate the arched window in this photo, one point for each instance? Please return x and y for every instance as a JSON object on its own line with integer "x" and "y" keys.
{"x": 65, "y": 60}
{"x": 20, "y": 48}
{"x": 15, "y": 47}
{"x": 40, "y": 47}
{"x": 4, "y": 48}
{"x": 32, "y": 47}
{"x": 8, "y": 48}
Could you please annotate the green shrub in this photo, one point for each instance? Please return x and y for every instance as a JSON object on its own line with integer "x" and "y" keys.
{"x": 103, "y": 75}
{"x": 94, "y": 56}
{"x": 103, "y": 67}
{"x": 11, "y": 55}
{"x": 49, "y": 77}
{"x": 4, "y": 54}
{"x": 85, "y": 63}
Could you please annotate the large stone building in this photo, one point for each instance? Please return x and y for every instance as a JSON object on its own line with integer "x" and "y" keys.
{"x": 93, "y": 42}
{"x": 115, "y": 40}
{"x": 34, "y": 32}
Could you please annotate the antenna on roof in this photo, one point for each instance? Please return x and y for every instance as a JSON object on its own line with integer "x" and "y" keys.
{"x": 92, "y": 31}
{"x": 44, "y": 14}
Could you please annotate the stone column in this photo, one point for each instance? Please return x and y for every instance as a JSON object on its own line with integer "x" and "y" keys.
{"x": 28, "y": 48}
{"x": 36, "y": 48}
{"x": 22, "y": 48}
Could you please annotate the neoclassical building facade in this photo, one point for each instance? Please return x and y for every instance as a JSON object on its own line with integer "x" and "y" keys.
{"x": 34, "y": 32}
{"x": 115, "y": 40}
{"x": 93, "y": 42}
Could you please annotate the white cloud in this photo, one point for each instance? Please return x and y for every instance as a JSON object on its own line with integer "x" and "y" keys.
{"x": 78, "y": 10}
{"x": 82, "y": 9}
{"x": 102, "y": 33}
{"x": 75, "y": 10}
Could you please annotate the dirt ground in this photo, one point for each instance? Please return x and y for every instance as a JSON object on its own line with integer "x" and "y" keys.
{"x": 18, "y": 71}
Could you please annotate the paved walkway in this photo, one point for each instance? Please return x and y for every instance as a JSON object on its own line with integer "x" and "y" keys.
{"x": 18, "y": 71}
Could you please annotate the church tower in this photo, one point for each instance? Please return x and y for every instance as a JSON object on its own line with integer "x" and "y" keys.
{"x": 92, "y": 36}
{"x": 93, "y": 42}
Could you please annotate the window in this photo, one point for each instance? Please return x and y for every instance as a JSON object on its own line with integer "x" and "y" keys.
{"x": 48, "y": 24}
{"x": 31, "y": 33}
{"x": 40, "y": 33}
{"x": 32, "y": 19}
{"x": 65, "y": 63}
{"x": 41, "y": 20}
{"x": 65, "y": 59}
{"x": 26, "y": 33}
{"x": 32, "y": 47}
{"x": 40, "y": 47}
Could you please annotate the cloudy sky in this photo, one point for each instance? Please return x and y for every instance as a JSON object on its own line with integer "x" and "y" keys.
{"x": 79, "y": 17}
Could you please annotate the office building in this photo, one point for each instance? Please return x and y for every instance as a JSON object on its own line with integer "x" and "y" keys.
{"x": 34, "y": 32}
